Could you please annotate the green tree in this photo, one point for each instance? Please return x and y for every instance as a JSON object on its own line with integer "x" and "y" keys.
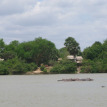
{"x": 72, "y": 46}
{"x": 44, "y": 51}
{"x": 93, "y": 52}
{"x": 63, "y": 53}
{"x": 2, "y": 45}
{"x": 38, "y": 51}
{"x": 105, "y": 45}
{"x": 9, "y": 51}
{"x": 12, "y": 46}
{"x": 8, "y": 55}
{"x": 95, "y": 58}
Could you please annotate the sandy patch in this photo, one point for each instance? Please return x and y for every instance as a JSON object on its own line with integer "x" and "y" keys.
{"x": 38, "y": 71}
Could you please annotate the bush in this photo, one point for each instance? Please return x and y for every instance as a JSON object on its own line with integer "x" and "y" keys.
{"x": 52, "y": 63}
{"x": 64, "y": 66}
{"x": 42, "y": 67}
{"x": 16, "y": 66}
{"x": 45, "y": 70}
{"x": 31, "y": 66}
{"x": 3, "y": 69}
{"x": 96, "y": 66}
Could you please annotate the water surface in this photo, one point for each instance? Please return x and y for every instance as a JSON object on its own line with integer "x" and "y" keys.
{"x": 46, "y": 91}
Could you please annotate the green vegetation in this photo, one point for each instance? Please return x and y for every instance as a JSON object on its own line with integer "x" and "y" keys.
{"x": 42, "y": 67}
{"x": 16, "y": 66}
{"x": 63, "y": 53}
{"x": 26, "y": 56}
{"x": 95, "y": 58}
{"x": 72, "y": 46}
{"x": 64, "y": 66}
{"x": 20, "y": 58}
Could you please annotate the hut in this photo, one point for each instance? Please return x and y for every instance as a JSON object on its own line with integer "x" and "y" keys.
{"x": 59, "y": 59}
{"x": 77, "y": 59}
{"x": 1, "y": 59}
{"x": 71, "y": 57}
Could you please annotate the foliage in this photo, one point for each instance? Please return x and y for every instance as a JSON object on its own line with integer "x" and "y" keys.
{"x": 52, "y": 62}
{"x": 63, "y": 53}
{"x": 3, "y": 69}
{"x": 12, "y": 46}
{"x": 2, "y": 46}
{"x": 45, "y": 71}
{"x": 72, "y": 46}
{"x": 97, "y": 66}
{"x": 42, "y": 67}
{"x": 38, "y": 51}
{"x": 16, "y": 66}
{"x": 64, "y": 66}
{"x": 95, "y": 58}
{"x": 8, "y": 55}
{"x": 105, "y": 45}
{"x": 27, "y": 56}
{"x": 93, "y": 51}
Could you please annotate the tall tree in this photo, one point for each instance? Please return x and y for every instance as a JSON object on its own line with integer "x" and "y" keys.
{"x": 38, "y": 51}
{"x": 72, "y": 46}
{"x": 2, "y": 45}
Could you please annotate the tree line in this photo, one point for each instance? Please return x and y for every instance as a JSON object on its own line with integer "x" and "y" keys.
{"x": 26, "y": 56}
{"x": 20, "y": 58}
{"x": 95, "y": 58}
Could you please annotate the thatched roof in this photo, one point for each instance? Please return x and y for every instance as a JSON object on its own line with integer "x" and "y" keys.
{"x": 79, "y": 62}
{"x": 70, "y": 57}
{"x": 79, "y": 58}
{"x": 1, "y": 59}
{"x": 59, "y": 59}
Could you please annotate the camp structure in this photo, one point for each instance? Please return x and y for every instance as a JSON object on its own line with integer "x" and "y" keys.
{"x": 77, "y": 59}
{"x": 1, "y": 59}
{"x": 59, "y": 59}
{"x": 71, "y": 57}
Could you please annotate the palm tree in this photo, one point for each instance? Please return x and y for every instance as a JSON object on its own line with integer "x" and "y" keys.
{"x": 72, "y": 46}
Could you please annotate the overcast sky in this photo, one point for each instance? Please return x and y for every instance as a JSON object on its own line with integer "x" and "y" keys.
{"x": 55, "y": 20}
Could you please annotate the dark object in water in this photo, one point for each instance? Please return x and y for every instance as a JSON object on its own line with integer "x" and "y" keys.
{"x": 103, "y": 86}
{"x": 76, "y": 79}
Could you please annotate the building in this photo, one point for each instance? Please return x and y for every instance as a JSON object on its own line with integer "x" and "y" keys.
{"x": 1, "y": 59}
{"x": 77, "y": 59}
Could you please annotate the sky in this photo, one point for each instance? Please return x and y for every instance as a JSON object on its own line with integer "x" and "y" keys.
{"x": 55, "y": 20}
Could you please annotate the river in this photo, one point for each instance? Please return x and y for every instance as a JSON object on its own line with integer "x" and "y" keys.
{"x": 46, "y": 91}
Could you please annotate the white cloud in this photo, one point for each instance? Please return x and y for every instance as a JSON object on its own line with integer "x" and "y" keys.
{"x": 85, "y": 20}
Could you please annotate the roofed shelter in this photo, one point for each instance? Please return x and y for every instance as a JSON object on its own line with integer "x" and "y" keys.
{"x": 78, "y": 59}
{"x": 1, "y": 59}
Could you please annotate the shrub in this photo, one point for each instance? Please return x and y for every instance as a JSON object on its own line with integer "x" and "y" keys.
{"x": 16, "y": 66}
{"x": 31, "y": 66}
{"x": 3, "y": 69}
{"x": 52, "y": 63}
{"x": 96, "y": 66}
{"x": 45, "y": 70}
{"x": 42, "y": 67}
{"x": 64, "y": 66}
